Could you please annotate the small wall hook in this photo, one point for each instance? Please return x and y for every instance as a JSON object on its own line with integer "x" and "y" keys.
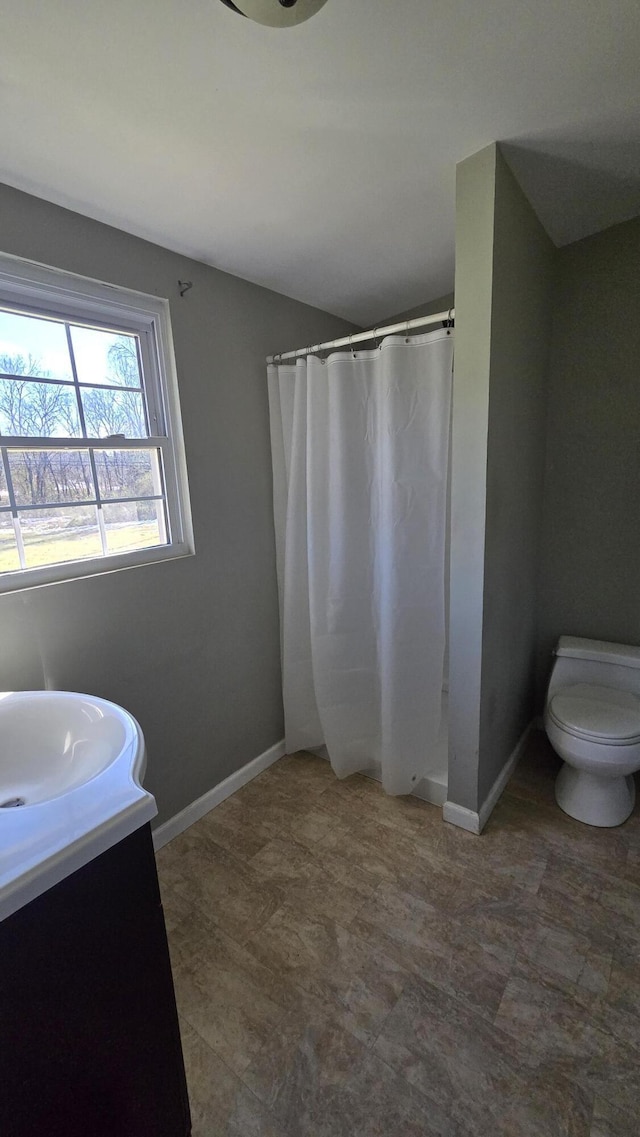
{"x": 184, "y": 286}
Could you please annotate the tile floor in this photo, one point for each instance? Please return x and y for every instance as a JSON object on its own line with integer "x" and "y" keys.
{"x": 348, "y": 965}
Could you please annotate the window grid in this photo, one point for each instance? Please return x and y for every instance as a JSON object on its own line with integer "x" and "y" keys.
{"x": 70, "y": 383}
{"x": 111, "y": 442}
{"x": 31, "y": 508}
{"x": 144, "y": 415}
{"x": 83, "y": 427}
{"x": 17, "y": 531}
{"x": 150, "y": 409}
{"x": 14, "y": 509}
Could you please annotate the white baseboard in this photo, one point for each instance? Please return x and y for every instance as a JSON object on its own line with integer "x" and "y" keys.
{"x": 432, "y": 788}
{"x": 475, "y": 822}
{"x": 463, "y": 818}
{"x": 202, "y": 805}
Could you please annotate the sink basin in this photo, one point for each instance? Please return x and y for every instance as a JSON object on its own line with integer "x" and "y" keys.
{"x": 53, "y": 741}
{"x": 71, "y": 767}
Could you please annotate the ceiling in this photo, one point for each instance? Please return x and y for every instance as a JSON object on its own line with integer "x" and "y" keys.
{"x": 320, "y": 160}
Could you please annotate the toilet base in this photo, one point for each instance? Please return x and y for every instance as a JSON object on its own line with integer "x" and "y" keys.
{"x": 595, "y": 800}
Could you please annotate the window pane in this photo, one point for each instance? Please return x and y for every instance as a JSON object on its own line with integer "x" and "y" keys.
{"x": 128, "y": 473}
{"x": 136, "y": 525}
{"x": 4, "y": 493}
{"x": 9, "y": 560}
{"x": 29, "y": 346}
{"x": 106, "y": 357}
{"x": 113, "y": 412}
{"x": 45, "y": 476}
{"x": 66, "y": 533}
{"x": 38, "y": 410}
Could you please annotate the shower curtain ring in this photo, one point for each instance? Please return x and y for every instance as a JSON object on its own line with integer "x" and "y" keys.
{"x": 352, "y": 347}
{"x": 406, "y": 332}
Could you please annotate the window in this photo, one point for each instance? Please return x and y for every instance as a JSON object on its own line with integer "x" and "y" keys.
{"x": 92, "y": 467}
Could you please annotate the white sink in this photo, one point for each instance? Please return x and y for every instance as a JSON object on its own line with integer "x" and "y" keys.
{"x": 53, "y": 741}
{"x": 70, "y": 787}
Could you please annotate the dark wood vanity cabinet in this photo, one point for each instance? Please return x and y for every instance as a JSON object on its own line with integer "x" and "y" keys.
{"x": 89, "y": 1040}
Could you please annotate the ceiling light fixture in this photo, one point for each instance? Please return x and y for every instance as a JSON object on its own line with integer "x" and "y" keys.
{"x": 276, "y": 13}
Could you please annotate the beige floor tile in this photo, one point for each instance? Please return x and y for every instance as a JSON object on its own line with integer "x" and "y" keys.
{"x": 309, "y": 1027}
{"x": 611, "y": 1122}
{"x": 223, "y": 887}
{"x": 536, "y": 773}
{"x": 364, "y": 798}
{"x": 250, "y": 1118}
{"x": 518, "y": 819}
{"x": 357, "y": 981}
{"x": 234, "y": 831}
{"x": 475, "y": 1073}
{"x": 321, "y": 1081}
{"x": 473, "y": 964}
{"x": 224, "y": 993}
{"x": 174, "y": 906}
{"x": 384, "y": 851}
{"x": 624, "y": 982}
{"x": 320, "y": 883}
{"x": 580, "y": 960}
{"x": 348, "y": 965}
{"x": 302, "y": 774}
{"x": 221, "y": 1105}
{"x": 276, "y": 814}
{"x": 588, "y": 899}
{"x": 213, "y": 1088}
{"x": 540, "y": 1010}
{"x": 630, "y": 869}
{"x": 614, "y": 1077}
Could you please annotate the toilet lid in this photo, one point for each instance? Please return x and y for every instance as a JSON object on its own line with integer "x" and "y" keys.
{"x": 601, "y": 713}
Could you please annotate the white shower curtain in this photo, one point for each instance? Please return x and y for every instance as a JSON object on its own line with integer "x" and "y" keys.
{"x": 360, "y": 447}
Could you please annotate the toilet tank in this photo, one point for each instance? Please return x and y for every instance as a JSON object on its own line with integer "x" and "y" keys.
{"x": 595, "y": 661}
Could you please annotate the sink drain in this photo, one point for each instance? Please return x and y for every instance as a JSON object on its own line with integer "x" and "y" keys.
{"x": 12, "y": 802}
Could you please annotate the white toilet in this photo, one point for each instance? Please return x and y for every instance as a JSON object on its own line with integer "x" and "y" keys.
{"x": 592, "y": 719}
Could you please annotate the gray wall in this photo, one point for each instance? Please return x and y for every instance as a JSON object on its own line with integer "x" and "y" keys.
{"x": 523, "y": 267}
{"x": 191, "y": 647}
{"x": 590, "y": 579}
{"x": 504, "y": 269}
{"x": 475, "y": 196}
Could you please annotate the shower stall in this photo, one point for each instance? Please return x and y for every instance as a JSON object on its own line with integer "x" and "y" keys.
{"x": 360, "y": 450}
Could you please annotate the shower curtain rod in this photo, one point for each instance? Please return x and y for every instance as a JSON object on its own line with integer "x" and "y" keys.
{"x": 361, "y": 337}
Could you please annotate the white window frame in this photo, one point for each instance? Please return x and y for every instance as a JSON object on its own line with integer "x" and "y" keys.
{"x": 52, "y": 292}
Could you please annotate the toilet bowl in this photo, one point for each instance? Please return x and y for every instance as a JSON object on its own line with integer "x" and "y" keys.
{"x": 592, "y": 720}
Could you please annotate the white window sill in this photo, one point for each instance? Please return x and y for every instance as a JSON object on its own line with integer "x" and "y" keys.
{"x": 94, "y": 566}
